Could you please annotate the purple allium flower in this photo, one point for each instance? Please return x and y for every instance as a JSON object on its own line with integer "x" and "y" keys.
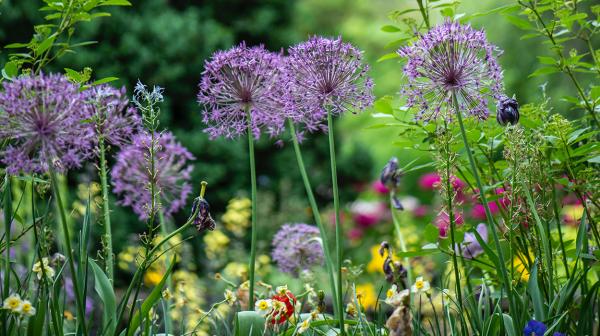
{"x": 534, "y": 328}
{"x": 326, "y": 73}
{"x": 42, "y": 117}
{"x": 297, "y": 247}
{"x": 113, "y": 117}
{"x": 451, "y": 59}
{"x": 131, "y": 174}
{"x": 470, "y": 246}
{"x": 238, "y": 79}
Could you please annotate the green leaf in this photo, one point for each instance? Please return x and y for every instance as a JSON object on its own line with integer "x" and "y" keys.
{"x": 11, "y": 70}
{"x": 420, "y": 253}
{"x": 534, "y": 291}
{"x": 105, "y": 80}
{"x": 45, "y": 44}
{"x": 105, "y": 291}
{"x": 384, "y": 105}
{"x": 73, "y": 75}
{"x": 16, "y": 45}
{"x": 388, "y": 56}
{"x": 519, "y": 22}
{"x": 249, "y": 323}
{"x": 150, "y": 301}
{"x": 390, "y": 29}
{"x": 508, "y": 325}
{"x": 115, "y": 3}
{"x": 544, "y": 71}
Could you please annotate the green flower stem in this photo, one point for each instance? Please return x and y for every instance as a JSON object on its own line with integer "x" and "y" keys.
{"x": 401, "y": 240}
{"x": 109, "y": 264}
{"x": 165, "y": 231}
{"x": 317, "y": 217}
{"x": 253, "y": 220}
{"x": 338, "y": 226}
{"x": 70, "y": 256}
{"x": 490, "y": 219}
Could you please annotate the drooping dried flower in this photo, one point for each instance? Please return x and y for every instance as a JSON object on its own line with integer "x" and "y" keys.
{"x": 238, "y": 79}
{"x": 131, "y": 174}
{"x": 296, "y": 247}
{"x": 42, "y": 118}
{"x": 326, "y": 74}
{"x": 113, "y": 117}
{"x": 507, "y": 111}
{"x": 451, "y": 59}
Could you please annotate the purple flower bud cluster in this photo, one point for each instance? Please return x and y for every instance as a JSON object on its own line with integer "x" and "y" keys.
{"x": 114, "y": 118}
{"x": 131, "y": 175}
{"x": 297, "y": 247}
{"x": 451, "y": 59}
{"x": 318, "y": 74}
{"x": 43, "y": 119}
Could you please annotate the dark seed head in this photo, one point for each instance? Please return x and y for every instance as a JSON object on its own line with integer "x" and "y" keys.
{"x": 201, "y": 211}
{"x": 390, "y": 175}
{"x": 507, "y": 111}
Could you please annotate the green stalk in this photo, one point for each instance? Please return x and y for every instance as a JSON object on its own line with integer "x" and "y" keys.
{"x": 400, "y": 240}
{"x": 317, "y": 217}
{"x": 488, "y": 213}
{"x": 165, "y": 231}
{"x": 7, "y": 222}
{"x": 106, "y": 212}
{"x": 70, "y": 256}
{"x": 253, "y": 221}
{"x": 338, "y": 227}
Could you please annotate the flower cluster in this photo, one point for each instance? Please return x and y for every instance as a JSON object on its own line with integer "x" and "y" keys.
{"x": 16, "y": 305}
{"x": 296, "y": 247}
{"x": 451, "y": 60}
{"x": 43, "y": 269}
{"x": 131, "y": 175}
{"x": 43, "y": 118}
{"x": 279, "y": 308}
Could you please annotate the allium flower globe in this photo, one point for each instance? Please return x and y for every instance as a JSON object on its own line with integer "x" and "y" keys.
{"x": 114, "y": 118}
{"x": 238, "y": 79}
{"x": 42, "y": 118}
{"x": 297, "y": 247}
{"x": 451, "y": 59}
{"x": 131, "y": 174}
{"x": 326, "y": 73}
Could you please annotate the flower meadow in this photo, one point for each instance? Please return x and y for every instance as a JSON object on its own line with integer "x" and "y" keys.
{"x": 484, "y": 222}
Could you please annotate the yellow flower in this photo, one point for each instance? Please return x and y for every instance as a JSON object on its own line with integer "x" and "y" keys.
{"x": 366, "y": 295}
{"x": 230, "y": 297}
{"x": 12, "y": 303}
{"x": 43, "y": 268}
{"x": 216, "y": 243}
{"x": 520, "y": 266}
{"x": 237, "y": 217}
{"x": 573, "y": 213}
{"x": 351, "y": 309}
{"x": 376, "y": 263}
{"x": 166, "y": 294}
{"x": 235, "y": 270}
{"x": 153, "y": 277}
{"x": 68, "y": 315}
{"x": 420, "y": 285}
{"x": 26, "y": 308}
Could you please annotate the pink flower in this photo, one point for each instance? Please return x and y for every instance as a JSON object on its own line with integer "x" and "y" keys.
{"x": 355, "y": 233}
{"x": 368, "y": 213}
{"x": 442, "y": 222}
{"x": 429, "y": 181}
{"x": 420, "y": 211}
{"x": 380, "y": 188}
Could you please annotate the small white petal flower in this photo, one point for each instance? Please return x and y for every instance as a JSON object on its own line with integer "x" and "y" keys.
{"x": 263, "y": 307}
{"x": 43, "y": 268}
{"x": 420, "y": 285}
{"x": 12, "y": 303}
{"x": 230, "y": 297}
{"x": 26, "y": 308}
{"x": 304, "y": 325}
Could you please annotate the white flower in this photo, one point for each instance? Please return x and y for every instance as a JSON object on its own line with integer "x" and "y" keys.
{"x": 282, "y": 290}
{"x": 26, "y": 308}
{"x": 302, "y": 327}
{"x": 263, "y": 307}
{"x": 420, "y": 285}
{"x": 43, "y": 269}
{"x": 395, "y": 298}
{"x": 12, "y": 303}
{"x": 230, "y": 297}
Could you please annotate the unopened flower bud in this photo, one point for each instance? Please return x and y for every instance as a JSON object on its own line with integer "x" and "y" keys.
{"x": 390, "y": 175}
{"x": 507, "y": 111}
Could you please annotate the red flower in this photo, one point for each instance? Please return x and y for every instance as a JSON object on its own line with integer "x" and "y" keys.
{"x": 290, "y": 301}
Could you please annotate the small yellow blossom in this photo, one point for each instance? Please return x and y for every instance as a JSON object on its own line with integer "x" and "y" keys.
{"x": 12, "y": 303}
{"x": 43, "y": 268}
{"x": 237, "y": 217}
{"x": 573, "y": 213}
{"x": 351, "y": 309}
{"x": 216, "y": 243}
{"x": 153, "y": 277}
{"x": 166, "y": 294}
{"x": 68, "y": 315}
{"x": 395, "y": 298}
{"x": 366, "y": 295}
{"x": 263, "y": 307}
{"x": 521, "y": 268}
{"x": 26, "y": 308}
{"x": 376, "y": 263}
{"x": 420, "y": 285}
{"x": 230, "y": 297}
{"x": 304, "y": 325}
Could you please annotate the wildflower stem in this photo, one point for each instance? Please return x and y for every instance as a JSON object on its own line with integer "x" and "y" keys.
{"x": 490, "y": 219}
{"x": 70, "y": 256}
{"x": 317, "y": 217}
{"x": 109, "y": 263}
{"x": 338, "y": 227}
{"x": 253, "y": 218}
{"x": 164, "y": 231}
{"x": 400, "y": 239}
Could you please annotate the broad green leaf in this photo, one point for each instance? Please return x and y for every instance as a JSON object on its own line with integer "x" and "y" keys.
{"x": 45, "y": 45}
{"x": 105, "y": 80}
{"x": 249, "y": 323}
{"x": 519, "y": 22}
{"x": 390, "y": 29}
{"x": 388, "y": 56}
{"x": 534, "y": 292}
{"x": 420, "y": 253}
{"x": 105, "y": 291}
{"x": 544, "y": 71}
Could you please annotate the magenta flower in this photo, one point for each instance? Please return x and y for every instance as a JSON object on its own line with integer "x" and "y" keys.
{"x": 43, "y": 120}
{"x": 326, "y": 74}
{"x": 451, "y": 59}
{"x": 113, "y": 117}
{"x": 238, "y": 79}
{"x": 297, "y": 247}
{"x": 131, "y": 174}
{"x": 442, "y": 222}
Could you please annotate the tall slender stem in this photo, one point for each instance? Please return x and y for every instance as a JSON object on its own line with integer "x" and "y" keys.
{"x": 317, "y": 217}
{"x": 165, "y": 231}
{"x": 253, "y": 219}
{"x": 490, "y": 219}
{"x": 401, "y": 241}
{"x": 106, "y": 212}
{"x": 338, "y": 227}
{"x": 70, "y": 256}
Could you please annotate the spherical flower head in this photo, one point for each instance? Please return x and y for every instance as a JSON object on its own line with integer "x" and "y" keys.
{"x": 297, "y": 247}
{"x": 534, "y": 328}
{"x": 131, "y": 176}
{"x": 325, "y": 74}
{"x": 451, "y": 59}
{"x": 114, "y": 118}
{"x": 240, "y": 79}
{"x": 43, "y": 119}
